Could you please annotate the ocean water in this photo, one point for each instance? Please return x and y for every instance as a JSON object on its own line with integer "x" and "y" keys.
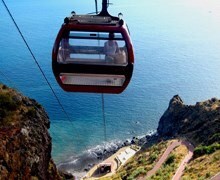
{"x": 177, "y": 51}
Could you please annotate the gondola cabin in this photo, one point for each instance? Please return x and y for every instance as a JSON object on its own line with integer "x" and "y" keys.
{"x": 93, "y": 54}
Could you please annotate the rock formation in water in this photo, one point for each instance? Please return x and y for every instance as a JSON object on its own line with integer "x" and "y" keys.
{"x": 200, "y": 123}
{"x": 25, "y": 144}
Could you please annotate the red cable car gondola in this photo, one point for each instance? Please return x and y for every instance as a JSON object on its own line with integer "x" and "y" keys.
{"x": 83, "y": 58}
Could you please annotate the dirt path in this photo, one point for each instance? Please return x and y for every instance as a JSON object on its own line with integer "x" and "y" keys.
{"x": 187, "y": 158}
{"x": 216, "y": 177}
{"x": 163, "y": 158}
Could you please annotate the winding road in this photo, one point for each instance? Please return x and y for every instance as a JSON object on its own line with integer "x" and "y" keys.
{"x": 187, "y": 158}
{"x": 163, "y": 158}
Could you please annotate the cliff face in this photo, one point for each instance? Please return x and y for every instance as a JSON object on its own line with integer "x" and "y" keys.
{"x": 25, "y": 148}
{"x": 200, "y": 123}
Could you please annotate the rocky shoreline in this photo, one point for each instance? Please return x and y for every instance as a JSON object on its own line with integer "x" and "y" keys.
{"x": 80, "y": 165}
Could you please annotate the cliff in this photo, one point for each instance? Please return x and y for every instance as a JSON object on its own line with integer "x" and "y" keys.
{"x": 25, "y": 148}
{"x": 200, "y": 123}
{"x": 182, "y": 125}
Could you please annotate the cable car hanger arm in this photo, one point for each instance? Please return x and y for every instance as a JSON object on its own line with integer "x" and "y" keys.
{"x": 104, "y": 11}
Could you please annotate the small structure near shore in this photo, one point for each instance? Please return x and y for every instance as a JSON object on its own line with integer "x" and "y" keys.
{"x": 105, "y": 167}
{"x": 123, "y": 156}
{"x": 113, "y": 163}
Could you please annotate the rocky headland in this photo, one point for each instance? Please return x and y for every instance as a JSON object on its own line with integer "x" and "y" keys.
{"x": 186, "y": 145}
{"x": 199, "y": 123}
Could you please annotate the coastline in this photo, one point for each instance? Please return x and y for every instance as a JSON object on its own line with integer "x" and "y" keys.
{"x": 82, "y": 164}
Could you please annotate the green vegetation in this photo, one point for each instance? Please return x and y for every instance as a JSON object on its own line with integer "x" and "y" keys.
{"x": 202, "y": 150}
{"x": 203, "y": 167}
{"x": 167, "y": 170}
{"x": 140, "y": 164}
{"x": 170, "y": 159}
{"x": 12, "y": 108}
{"x": 170, "y": 166}
{"x": 7, "y": 105}
{"x": 31, "y": 112}
{"x": 146, "y": 159}
{"x": 139, "y": 171}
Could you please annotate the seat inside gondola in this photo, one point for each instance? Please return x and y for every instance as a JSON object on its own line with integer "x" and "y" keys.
{"x": 86, "y": 47}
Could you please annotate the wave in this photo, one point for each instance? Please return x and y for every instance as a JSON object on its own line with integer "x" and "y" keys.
{"x": 80, "y": 164}
{"x": 90, "y": 157}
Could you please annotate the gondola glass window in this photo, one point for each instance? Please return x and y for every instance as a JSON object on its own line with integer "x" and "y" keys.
{"x": 90, "y": 48}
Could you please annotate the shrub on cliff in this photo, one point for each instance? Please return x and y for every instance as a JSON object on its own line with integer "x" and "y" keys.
{"x": 202, "y": 150}
{"x": 170, "y": 159}
{"x": 7, "y": 104}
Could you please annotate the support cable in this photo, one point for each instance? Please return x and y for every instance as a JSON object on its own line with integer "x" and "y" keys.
{"x": 14, "y": 85}
{"x": 103, "y": 100}
{"x": 33, "y": 56}
{"x": 103, "y": 116}
{"x": 103, "y": 103}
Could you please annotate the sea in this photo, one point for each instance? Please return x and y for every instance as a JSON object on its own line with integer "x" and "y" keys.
{"x": 177, "y": 51}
